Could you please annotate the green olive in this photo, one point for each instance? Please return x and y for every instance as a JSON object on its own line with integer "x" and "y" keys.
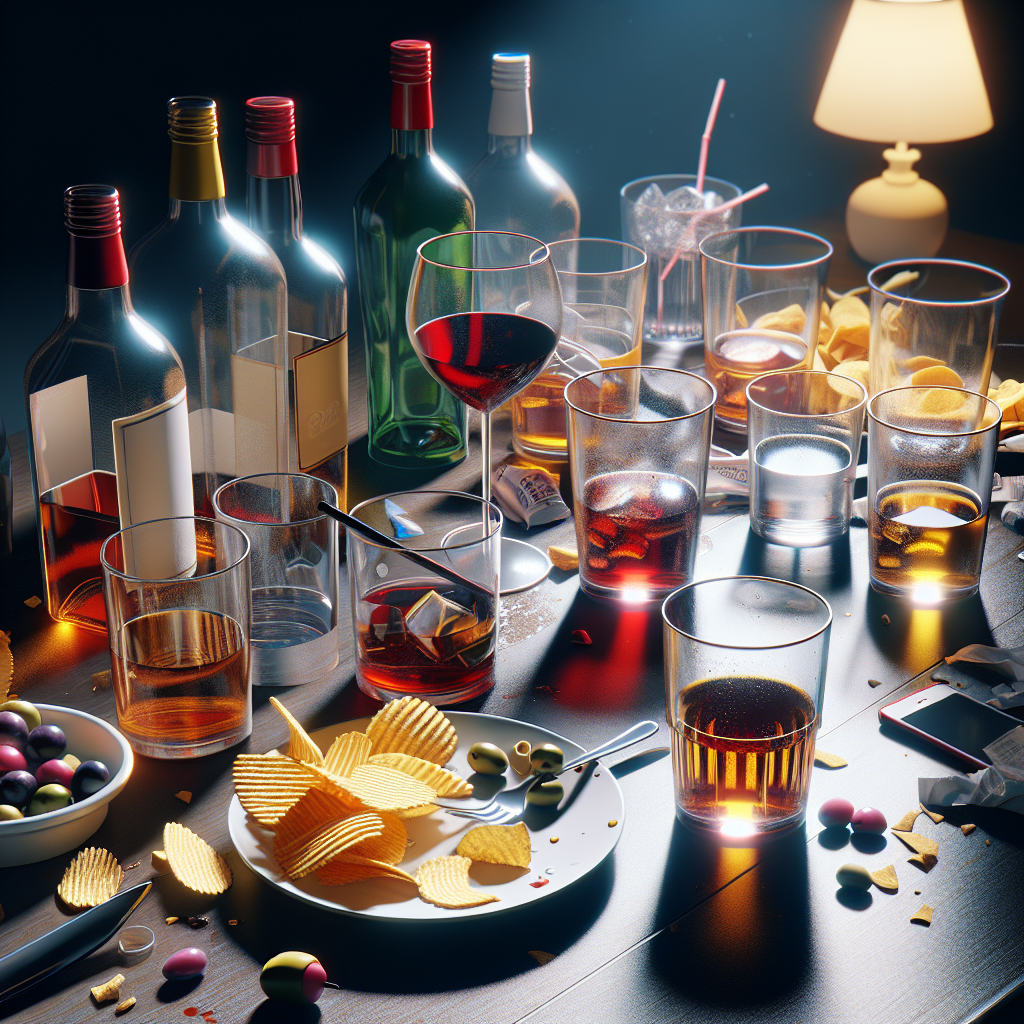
{"x": 27, "y": 711}
{"x": 546, "y": 757}
{"x": 9, "y": 813}
{"x": 49, "y": 798}
{"x": 487, "y": 759}
{"x": 545, "y": 794}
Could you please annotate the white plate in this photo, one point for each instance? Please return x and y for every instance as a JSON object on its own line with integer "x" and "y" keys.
{"x": 581, "y": 825}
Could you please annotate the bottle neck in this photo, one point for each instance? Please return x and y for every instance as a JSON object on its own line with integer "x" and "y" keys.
{"x": 274, "y": 206}
{"x": 98, "y": 304}
{"x": 196, "y": 172}
{"x": 411, "y": 106}
{"x": 96, "y": 262}
{"x": 196, "y": 213}
{"x": 510, "y": 112}
{"x": 509, "y": 145}
{"x": 411, "y": 143}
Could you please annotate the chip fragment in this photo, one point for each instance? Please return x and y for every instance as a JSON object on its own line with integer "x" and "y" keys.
{"x": 566, "y": 559}
{"x": 918, "y": 843}
{"x": 412, "y": 726}
{"x": 497, "y": 844}
{"x": 91, "y": 879}
{"x": 300, "y": 746}
{"x": 933, "y": 815}
{"x": 828, "y": 760}
{"x": 350, "y": 868}
{"x": 441, "y": 780}
{"x": 444, "y": 881}
{"x": 347, "y": 752}
{"x": 906, "y": 823}
{"x": 923, "y": 916}
{"x": 885, "y": 878}
{"x": 185, "y": 796}
{"x": 540, "y": 956}
{"x": 195, "y": 863}
{"x": 124, "y": 1006}
{"x": 967, "y": 829}
{"x": 109, "y": 990}
{"x": 6, "y": 666}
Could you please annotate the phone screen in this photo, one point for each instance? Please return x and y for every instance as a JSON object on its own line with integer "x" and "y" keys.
{"x": 962, "y": 723}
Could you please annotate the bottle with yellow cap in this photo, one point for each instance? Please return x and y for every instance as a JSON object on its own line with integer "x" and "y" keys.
{"x": 218, "y": 291}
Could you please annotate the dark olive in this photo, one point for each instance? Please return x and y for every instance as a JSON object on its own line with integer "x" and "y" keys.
{"x": 545, "y": 794}
{"x": 90, "y": 777}
{"x": 45, "y": 742}
{"x": 487, "y": 759}
{"x": 13, "y": 730}
{"x": 17, "y": 788}
{"x": 546, "y": 757}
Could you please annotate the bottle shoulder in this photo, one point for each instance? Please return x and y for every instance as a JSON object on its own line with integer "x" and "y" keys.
{"x": 413, "y": 188}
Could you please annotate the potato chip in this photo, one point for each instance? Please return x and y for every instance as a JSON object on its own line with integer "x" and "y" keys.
{"x": 109, "y": 990}
{"x": 184, "y": 795}
{"x": 195, "y": 863}
{"x": 347, "y": 752}
{"x": 349, "y": 868}
{"x": 791, "y": 319}
{"x": 124, "y": 1006}
{"x": 899, "y": 279}
{"x": 300, "y": 746}
{"x": 441, "y": 780}
{"x": 923, "y": 916}
{"x": 566, "y": 559}
{"x": 906, "y": 823}
{"x": 299, "y": 855}
{"x": 937, "y": 376}
{"x": 412, "y": 726}
{"x": 159, "y": 862}
{"x": 967, "y": 829}
{"x": 915, "y": 363}
{"x": 390, "y": 846}
{"x": 6, "y": 666}
{"x": 827, "y": 760}
{"x": 91, "y": 879}
{"x": 317, "y": 808}
{"x": 444, "y": 881}
{"x": 925, "y": 861}
{"x": 885, "y": 878}
{"x": 936, "y": 817}
{"x": 385, "y": 789}
{"x": 269, "y": 784}
{"x": 918, "y": 843}
{"x": 497, "y": 844}
{"x": 851, "y": 329}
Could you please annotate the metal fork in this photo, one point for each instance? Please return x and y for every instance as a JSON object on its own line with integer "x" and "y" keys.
{"x": 511, "y": 803}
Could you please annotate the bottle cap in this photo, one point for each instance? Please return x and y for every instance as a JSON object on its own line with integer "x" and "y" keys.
{"x": 270, "y": 129}
{"x": 92, "y": 211}
{"x": 410, "y": 62}
{"x": 411, "y": 107}
{"x": 510, "y": 71}
{"x": 510, "y": 100}
{"x": 192, "y": 119}
{"x": 196, "y": 172}
{"x": 92, "y": 215}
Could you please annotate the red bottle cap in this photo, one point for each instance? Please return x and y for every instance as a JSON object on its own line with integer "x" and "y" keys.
{"x": 270, "y": 129}
{"x": 411, "y": 108}
{"x": 92, "y": 214}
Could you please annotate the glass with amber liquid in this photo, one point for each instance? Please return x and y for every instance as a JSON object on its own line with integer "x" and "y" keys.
{"x": 745, "y": 661}
{"x": 931, "y": 453}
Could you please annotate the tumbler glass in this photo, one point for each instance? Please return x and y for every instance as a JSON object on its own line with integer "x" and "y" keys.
{"x": 417, "y": 632}
{"x": 762, "y": 306}
{"x": 179, "y": 648}
{"x": 804, "y": 429}
{"x": 745, "y": 661}
{"x": 639, "y": 439}
{"x": 931, "y": 453}
{"x": 294, "y": 560}
{"x": 930, "y": 317}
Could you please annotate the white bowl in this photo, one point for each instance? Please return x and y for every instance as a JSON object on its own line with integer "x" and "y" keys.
{"x": 27, "y": 840}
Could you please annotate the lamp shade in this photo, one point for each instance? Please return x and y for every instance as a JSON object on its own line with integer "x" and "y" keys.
{"x": 905, "y": 70}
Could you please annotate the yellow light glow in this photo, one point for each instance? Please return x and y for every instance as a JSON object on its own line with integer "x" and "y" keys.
{"x": 926, "y": 594}
{"x": 737, "y": 828}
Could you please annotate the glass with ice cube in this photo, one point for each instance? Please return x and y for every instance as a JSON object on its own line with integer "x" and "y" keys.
{"x": 804, "y": 429}
{"x": 931, "y": 453}
{"x": 418, "y": 634}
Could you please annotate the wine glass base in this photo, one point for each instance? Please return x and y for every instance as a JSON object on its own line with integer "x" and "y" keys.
{"x": 522, "y": 566}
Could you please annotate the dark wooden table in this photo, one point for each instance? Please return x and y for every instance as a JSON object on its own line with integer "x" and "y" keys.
{"x": 672, "y": 927}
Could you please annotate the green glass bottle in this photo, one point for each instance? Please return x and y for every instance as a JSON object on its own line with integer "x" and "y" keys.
{"x": 412, "y": 197}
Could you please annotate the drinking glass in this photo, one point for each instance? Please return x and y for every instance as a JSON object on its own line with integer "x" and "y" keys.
{"x": 658, "y": 215}
{"x": 179, "y": 648}
{"x": 639, "y": 439}
{"x": 804, "y": 429}
{"x": 933, "y": 313}
{"x": 762, "y": 307}
{"x": 603, "y": 284}
{"x": 931, "y": 453}
{"x": 417, "y": 633}
{"x": 294, "y": 565}
{"x": 745, "y": 660}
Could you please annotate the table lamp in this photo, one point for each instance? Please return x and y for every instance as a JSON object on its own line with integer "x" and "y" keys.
{"x": 904, "y": 71}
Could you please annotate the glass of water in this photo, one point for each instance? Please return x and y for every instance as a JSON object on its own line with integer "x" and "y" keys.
{"x": 804, "y": 437}
{"x": 294, "y": 573}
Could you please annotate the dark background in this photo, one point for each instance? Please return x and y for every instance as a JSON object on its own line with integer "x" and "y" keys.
{"x": 620, "y": 90}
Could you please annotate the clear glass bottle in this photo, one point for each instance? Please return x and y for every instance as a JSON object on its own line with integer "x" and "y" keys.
{"x": 108, "y": 421}
{"x": 317, "y": 297}
{"x": 218, "y": 291}
{"x": 513, "y": 188}
{"x": 413, "y": 196}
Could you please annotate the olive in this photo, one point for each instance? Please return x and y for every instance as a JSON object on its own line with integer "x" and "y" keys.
{"x": 17, "y": 787}
{"x": 49, "y": 798}
{"x": 45, "y": 742}
{"x": 9, "y": 813}
{"x": 29, "y": 712}
{"x": 11, "y": 760}
{"x": 13, "y": 730}
{"x": 487, "y": 759}
{"x": 90, "y": 777}
{"x": 546, "y": 757}
{"x": 55, "y": 771}
{"x": 293, "y": 977}
{"x": 545, "y": 794}
{"x": 186, "y": 963}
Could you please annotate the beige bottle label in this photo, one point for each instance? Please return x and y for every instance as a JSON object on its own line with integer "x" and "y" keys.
{"x": 61, "y": 432}
{"x": 321, "y": 399}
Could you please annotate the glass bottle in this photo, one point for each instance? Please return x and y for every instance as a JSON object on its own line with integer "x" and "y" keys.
{"x": 513, "y": 188}
{"x": 108, "y": 421}
{"x": 413, "y": 196}
{"x": 218, "y": 291}
{"x": 317, "y": 298}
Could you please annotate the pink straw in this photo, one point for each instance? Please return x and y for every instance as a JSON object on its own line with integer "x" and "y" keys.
{"x": 705, "y": 139}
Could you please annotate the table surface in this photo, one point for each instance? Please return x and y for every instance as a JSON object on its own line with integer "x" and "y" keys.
{"x": 671, "y": 927}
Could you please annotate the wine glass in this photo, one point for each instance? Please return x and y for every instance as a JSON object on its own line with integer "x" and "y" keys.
{"x": 484, "y": 314}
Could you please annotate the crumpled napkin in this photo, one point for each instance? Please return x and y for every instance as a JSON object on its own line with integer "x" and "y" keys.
{"x": 1008, "y": 661}
{"x": 1002, "y": 785}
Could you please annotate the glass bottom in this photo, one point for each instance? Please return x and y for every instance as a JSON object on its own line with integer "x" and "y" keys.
{"x": 738, "y": 831}
{"x": 385, "y": 686}
{"x": 795, "y": 533}
{"x": 634, "y": 594}
{"x": 184, "y": 750}
{"x": 554, "y": 453}
{"x": 926, "y": 595}
{"x": 416, "y": 444}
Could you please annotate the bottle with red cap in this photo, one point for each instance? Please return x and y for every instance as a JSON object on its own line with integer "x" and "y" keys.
{"x": 317, "y": 298}
{"x": 413, "y": 196}
{"x": 108, "y": 420}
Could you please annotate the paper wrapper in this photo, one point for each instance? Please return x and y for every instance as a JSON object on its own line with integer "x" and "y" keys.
{"x": 1002, "y": 785}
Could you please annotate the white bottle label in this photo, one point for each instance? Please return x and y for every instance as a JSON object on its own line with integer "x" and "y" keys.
{"x": 61, "y": 433}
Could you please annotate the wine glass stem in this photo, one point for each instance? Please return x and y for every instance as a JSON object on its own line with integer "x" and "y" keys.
{"x": 485, "y": 450}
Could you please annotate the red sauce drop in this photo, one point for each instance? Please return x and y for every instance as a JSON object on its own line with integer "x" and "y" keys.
{"x": 191, "y": 1011}
{"x": 540, "y": 882}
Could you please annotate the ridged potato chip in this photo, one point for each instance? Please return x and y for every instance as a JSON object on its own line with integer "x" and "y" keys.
{"x": 412, "y": 726}
{"x": 269, "y": 784}
{"x": 349, "y": 868}
{"x": 390, "y": 847}
{"x": 320, "y": 806}
{"x": 444, "y": 881}
{"x": 301, "y": 854}
{"x": 300, "y": 746}
{"x": 497, "y": 844}
{"x": 347, "y": 752}
{"x": 385, "y": 789}
{"x": 195, "y": 863}
{"x": 442, "y": 781}
{"x": 91, "y": 879}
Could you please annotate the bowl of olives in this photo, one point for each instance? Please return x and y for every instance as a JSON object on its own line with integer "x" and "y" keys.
{"x": 58, "y": 775}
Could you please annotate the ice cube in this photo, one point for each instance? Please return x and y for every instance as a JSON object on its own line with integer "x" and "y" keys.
{"x": 686, "y": 197}
{"x": 386, "y": 621}
{"x": 652, "y": 196}
{"x": 433, "y": 616}
{"x": 929, "y": 517}
{"x": 400, "y": 522}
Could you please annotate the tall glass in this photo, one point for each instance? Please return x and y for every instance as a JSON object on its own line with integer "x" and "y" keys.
{"x": 762, "y": 306}
{"x": 179, "y": 648}
{"x": 639, "y": 439}
{"x": 661, "y": 215}
{"x": 745, "y": 661}
{"x": 931, "y": 453}
{"x": 603, "y": 284}
{"x": 933, "y": 322}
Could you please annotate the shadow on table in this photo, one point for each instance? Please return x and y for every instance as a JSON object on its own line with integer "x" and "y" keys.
{"x": 823, "y": 568}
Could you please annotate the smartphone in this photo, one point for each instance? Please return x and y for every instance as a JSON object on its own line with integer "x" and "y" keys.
{"x": 951, "y": 720}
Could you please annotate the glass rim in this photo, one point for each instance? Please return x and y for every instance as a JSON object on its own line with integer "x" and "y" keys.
{"x": 492, "y": 506}
{"x": 807, "y": 415}
{"x": 217, "y": 523}
{"x": 484, "y": 270}
{"x": 768, "y": 230}
{"x": 653, "y": 178}
{"x": 617, "y": 243}
{"x": 741, "y": 647}
{"x": 934, "y": 432}
{"x": 657, "y": 369}
{"x": 892, "y": 267}
{"x": 271, "y": 476}
{"x": 686, "y": 727}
